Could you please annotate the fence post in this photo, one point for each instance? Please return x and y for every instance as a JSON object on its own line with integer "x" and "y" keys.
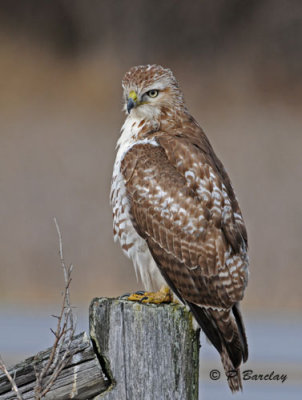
{"x": 82, "y": 378}
{"x": 138, "y": 352}
{"x": 148, "y": 351}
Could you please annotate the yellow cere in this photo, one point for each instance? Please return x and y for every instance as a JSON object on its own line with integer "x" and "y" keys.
{"x": 133, "y": 95}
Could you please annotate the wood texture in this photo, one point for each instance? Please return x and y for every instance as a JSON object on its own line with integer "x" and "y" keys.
{"x": 82, "y": 378}
{"x": 139, "y": 352}
{"x": 149, "y": 351}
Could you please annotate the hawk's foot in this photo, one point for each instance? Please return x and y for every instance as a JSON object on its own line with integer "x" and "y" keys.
{"x": 162, "y": 296}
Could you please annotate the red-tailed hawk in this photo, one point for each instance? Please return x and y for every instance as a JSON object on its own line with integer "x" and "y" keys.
{"x": 176, "y": 215}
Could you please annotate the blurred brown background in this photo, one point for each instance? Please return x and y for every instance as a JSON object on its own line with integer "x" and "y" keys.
{"x": 239, "y": 64}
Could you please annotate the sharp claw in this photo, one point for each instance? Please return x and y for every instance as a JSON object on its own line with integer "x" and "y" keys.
{"x": 124, "y": 295}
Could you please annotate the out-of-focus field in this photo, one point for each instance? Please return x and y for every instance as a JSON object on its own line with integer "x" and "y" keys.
{"x": 59, "y": 121}
{"x": 239, "y": 64}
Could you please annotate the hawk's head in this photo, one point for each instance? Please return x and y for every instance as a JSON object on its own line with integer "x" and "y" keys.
{"x": 150, "y": 88}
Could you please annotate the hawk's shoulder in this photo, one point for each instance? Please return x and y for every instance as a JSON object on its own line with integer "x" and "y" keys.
{"x": 191, "y": 152}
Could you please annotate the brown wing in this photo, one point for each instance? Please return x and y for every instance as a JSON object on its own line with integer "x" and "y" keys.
{"x": 181, "y": 206}
{"x": 194, "y": 149}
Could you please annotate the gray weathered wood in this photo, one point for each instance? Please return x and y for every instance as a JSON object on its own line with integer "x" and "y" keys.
{"x": 143, "y": 352}
{"x": 149, "y": 351}
{"x": 82, "y": 378}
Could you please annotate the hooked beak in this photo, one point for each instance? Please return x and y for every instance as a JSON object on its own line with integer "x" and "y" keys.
{"x": 132, "y": 101}
{"x": 130, "y": 105}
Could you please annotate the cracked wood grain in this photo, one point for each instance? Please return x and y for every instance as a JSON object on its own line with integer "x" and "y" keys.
{"x": 150, "y": 351}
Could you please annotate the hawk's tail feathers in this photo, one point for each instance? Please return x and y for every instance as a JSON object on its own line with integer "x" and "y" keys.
{"x": 241, "y": 329}
{"x": 232, "y": 338}
{"x": 233, "y": 374}
{"x": 226, "y": 331}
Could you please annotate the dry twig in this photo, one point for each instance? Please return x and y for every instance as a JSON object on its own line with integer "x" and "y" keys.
{"x": 11, "y": 379}
{"x": 61, "y": 350}
{"x": 64, "y": 333}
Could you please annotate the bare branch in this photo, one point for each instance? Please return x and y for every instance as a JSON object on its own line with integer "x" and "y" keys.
{"x": 61, "y": 352}
{"x": 10, "y": 378}
{"x": 64, "y": 333}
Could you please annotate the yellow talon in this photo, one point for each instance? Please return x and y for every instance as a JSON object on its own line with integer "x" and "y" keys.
{"x": 162, "y": 296}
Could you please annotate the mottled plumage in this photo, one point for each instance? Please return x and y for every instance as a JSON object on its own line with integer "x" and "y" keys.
{"x": 175, "y": 212}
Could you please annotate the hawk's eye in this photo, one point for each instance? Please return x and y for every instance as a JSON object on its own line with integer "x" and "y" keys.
{"x": 152, "y": 93}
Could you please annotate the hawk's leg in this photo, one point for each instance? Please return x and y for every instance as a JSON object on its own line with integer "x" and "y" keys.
{"x": 162, "y": 296}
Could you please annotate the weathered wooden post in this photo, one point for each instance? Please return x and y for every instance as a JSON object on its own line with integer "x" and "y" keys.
{"x": 138, "y": 352}
{"x": 147, "y": 351}
{"x": 81, "y": 379}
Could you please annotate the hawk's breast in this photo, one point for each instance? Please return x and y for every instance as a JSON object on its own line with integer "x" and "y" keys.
{"x": 134, "y": 246}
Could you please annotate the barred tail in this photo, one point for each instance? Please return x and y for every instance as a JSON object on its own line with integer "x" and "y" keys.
{"x": 233, "y": 374}
{"x": 225, "y": 329}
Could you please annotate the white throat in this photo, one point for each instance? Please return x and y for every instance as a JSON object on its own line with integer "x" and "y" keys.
{"x": 133, "y": 124}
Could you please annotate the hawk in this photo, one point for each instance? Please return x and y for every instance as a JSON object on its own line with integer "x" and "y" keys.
{"x": 176, "y": 215}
